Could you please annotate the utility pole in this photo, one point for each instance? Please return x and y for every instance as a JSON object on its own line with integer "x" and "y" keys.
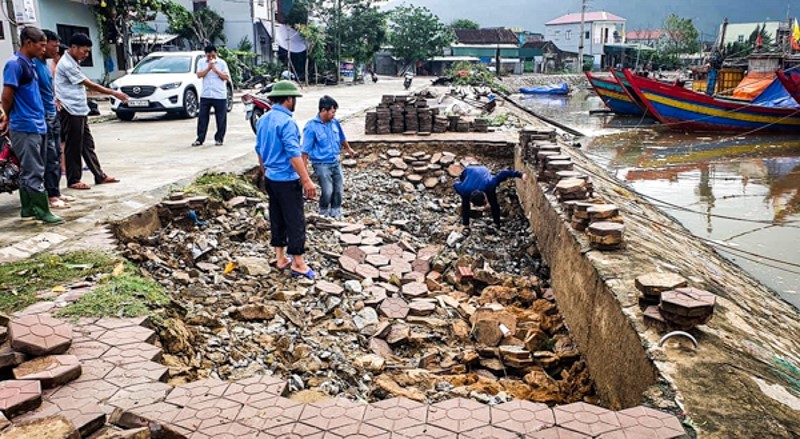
{"x": 274, "y": 42}
{"x": 338, "y": 40}
{"x": 582, "y": 36}
{"x": 12, "y": 24}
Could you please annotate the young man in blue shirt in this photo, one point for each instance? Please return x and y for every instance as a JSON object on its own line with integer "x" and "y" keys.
{"x": 476, "y": 186}
{"x": 286, "y": 178}
{"x": 22, "y": 101}
{"x": 323, "y": 138}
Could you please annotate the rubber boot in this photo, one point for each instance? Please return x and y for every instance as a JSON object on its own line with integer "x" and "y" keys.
{"x": 26, "y": 212}
{"x": 41, "y": 207}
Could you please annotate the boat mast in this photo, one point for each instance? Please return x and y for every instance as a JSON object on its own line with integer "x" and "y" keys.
{"x": 715, "y": 63}
{"x": 582, "y": 36}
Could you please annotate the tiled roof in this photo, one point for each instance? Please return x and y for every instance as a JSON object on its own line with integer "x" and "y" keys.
{"x": 644, "y": 35}
{"x": 486, "y": 36}
{"x": 588, "y": 17}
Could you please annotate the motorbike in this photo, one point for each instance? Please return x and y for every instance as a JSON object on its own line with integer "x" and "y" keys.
{"x": 407, "y": 81}
{"x": 373, "y": 76}
{"x": 256, "y": 105}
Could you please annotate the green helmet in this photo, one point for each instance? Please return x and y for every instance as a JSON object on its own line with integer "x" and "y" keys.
{"x": 284, "y": 88}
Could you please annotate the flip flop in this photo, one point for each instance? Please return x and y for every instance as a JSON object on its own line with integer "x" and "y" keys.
{"x": 308, "y": 274}
{"x": 80, "y": 186}
{"x": 67, "y": 198}
{"x": 287, "y": 266}
{"x": 59, "y": 204}
{"x": 108, "y": 180}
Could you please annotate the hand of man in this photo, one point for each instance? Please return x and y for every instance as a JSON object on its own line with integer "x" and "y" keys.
{"x": 351, "y": 152}
{"x": 309, "y": 190}
{"x": 121, "y": 96}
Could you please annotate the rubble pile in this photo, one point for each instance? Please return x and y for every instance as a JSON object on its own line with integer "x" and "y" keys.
{"x": 411, "y": 114}
{"x": 405, "y": 304}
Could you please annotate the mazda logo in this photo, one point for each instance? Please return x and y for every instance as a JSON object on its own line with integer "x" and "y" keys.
{"x": 137, "y": 90}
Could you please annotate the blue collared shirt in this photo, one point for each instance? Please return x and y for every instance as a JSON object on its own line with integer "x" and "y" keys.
{"x": 27, "y": 111}
{"x": 323, "y": 141}
{"x": 46, "y": 86}
{"x": 277, "y": 142}
{"x": 480, "y": 178}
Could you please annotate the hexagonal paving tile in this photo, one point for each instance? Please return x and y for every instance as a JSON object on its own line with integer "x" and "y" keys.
{"x": 556, "y": 433}
{"x": 367, "y": 271}
{"x": 128, "y": 335}
{"x": 522, "y": 416}
{"x": 424, "y": 432}
{"x": 391, "y": 251}
{"x": 348, "y": 264}
{"x": 421, "y": 266}
{"x": 19, "y": 396}
{"x": 355, "y": 253}
{"x": 96, "y": 390}
{"x": 377, "y": 260}
{"x": 396, "y": 414}
{"x": 459, "y": 415}
{"x": 329, "y": 288}
{"x": 197, "y": 391}
{"x": 415, "y": 289}
{"x": 132, "y": 353}
{"x": 50, "y": 371}
{"x": 394, "y": 308}
{"x": 586, "y": 419}
{"x": 230, "y": 430}
{"x": 140, "y": 395}
{"x": 207, "y": 414}
{"x": 87, "y": 333}
{"x": 271, "y": 412}
{"x": 255, "y": 389}
{"x": 292, "y": 431}
{"x": 332, "y": 413}
{"x": 400, "y": 265}
{"x": 372, "y": 241}
{"x": 350, "y": 239}
{"x": 161, "y": 412}
{"x": 370, "y": 249}
{"x": 115, "y": 323}
{"x": 358, "y": 431}
{"x": 488, "y": 432}
{"x": 39, "y": 334}
{"x": 93, "y": 370}
{"x": 86, "y": 415}
{"x": 137, "y": 373}
{"x": 645, "y": 422}
{"x": 88, "y": 350}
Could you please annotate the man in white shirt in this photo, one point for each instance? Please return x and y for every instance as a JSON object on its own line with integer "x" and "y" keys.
{"x": 214, "y": 72}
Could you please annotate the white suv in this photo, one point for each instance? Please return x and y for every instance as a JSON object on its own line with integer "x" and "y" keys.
{"x": 163, "y": 82}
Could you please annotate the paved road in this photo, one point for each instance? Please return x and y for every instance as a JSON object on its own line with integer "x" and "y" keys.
{"x": 152, "y": 153}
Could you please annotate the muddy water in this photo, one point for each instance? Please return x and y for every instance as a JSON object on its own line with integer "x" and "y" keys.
{"x": 708, "y": 177}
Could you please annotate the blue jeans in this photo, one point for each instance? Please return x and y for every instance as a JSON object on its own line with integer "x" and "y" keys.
{"x": 331, "y": 180}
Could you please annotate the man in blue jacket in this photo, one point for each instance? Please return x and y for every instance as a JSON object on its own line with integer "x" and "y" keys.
{"x": 323, "y": 139}
{"x": 286, "y": 178}
{"x": 478, "y": 186}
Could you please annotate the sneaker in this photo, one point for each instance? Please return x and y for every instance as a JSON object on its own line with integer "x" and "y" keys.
{"x": 218, "y": 143}
{"x": 197, "y": 143}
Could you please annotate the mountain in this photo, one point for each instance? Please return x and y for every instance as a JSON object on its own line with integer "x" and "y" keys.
{"x": 642, "y": 14}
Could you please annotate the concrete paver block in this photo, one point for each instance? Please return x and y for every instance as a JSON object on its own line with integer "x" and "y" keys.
{"x": 394, "y": 308}
{"x": 358, "y": 431}
{"x": 646, "y": 422}
{"x": 459, "y": 415}
{"x": 488, "y": 432}
{"x": 95, "y": 369}
{"x": 55, "y": 427}
{"x": 522, "y": 416}
{"x": 424, "y": 432}
{"x": 86, "y": 415}
{"x": 254, "y": 389}
{"x": 292, "y": 431}
{"x": 201, "y": 416}
{"x": 332, "y": 413}
{"x": 18, "y": 396}
{"x": 140, "y": 395}
{"x": 197, "y": 391}
{"x": 9, "y": 357}
{"x": 39, "y": 335}
{"x": 586, "y": 419}
{"x": 557, "y": 433}
{"x": 396, "y": 414}
{"x": 50, "y": 371}
{"x": 128, "y": 335}
{"x": 97, "y": 390}
{"x": 230, "y": 430}
{"x": 137, "y": 373}
{"x": 273, "y": 411}
{"x": 88, "y": 350}
{"x": 132, "y": 353}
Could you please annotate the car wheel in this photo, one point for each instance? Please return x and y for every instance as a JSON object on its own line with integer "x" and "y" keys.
{"x": 191, "y": 106}
{"x": 126, "y": 116}
{"x": 230, "y": 99}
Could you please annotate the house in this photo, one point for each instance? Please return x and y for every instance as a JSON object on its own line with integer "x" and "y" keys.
{"x": 600, "y": 28}
{"x": 485, "y": 44}
{"x": 546, "y": 57}
{"x": 740, "y": 32}
{"x": 650, "y": 38}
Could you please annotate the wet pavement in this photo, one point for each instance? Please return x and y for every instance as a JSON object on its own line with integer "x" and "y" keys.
{"x": 742, "y": 193}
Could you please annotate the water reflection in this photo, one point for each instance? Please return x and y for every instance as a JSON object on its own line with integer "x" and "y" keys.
{"x": 713, "y": 177}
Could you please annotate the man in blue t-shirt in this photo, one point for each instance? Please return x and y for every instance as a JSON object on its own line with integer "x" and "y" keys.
{"x": 286, "y": 178}
{"x": 22, "y": 101}
{"x": 476, "y": 186}
{"x": 323, "y": 139}
{"x": 52, "y": 171}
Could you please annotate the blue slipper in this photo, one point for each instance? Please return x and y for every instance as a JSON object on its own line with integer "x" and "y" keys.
{"x": 309, "y": 274}
{"x": 287, "y": 266}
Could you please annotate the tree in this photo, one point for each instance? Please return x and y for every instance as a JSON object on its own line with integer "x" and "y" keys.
{"x": 416, "y": 34}
{"x": 464, "y": 23}
{"x": 315, "y": 43}
{"x": 115, "y": 18}
{"x": 681, "y": 36}
{"x": 198, "y": 28}
{"x": 363, "y": 32}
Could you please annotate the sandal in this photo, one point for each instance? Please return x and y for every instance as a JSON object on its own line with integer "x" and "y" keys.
{"x": 308, "y": 274}
{"x": 80, "y": 186}
{"x": 59, "y": 204}
{"x": 67, "y": 198}
{"x": 287, "y": 266}
{"x": 108, "y": 180}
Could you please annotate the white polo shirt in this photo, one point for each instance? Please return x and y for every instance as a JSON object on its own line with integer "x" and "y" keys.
{"x": 213, "y": 85}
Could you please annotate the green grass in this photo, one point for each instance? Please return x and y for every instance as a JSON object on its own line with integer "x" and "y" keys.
{"x": 126, "y": 295}
{"x": 23, "y": 279}
{"x": 222, "y": 187}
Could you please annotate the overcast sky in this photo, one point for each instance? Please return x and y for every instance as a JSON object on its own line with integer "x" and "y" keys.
{"x": 641, "y": 14}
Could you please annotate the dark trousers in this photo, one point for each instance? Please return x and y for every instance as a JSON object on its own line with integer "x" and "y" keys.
{"x": 30, "y": 150}
{"x": 466, "y": 207}
{"x": 220, "y": 113}
{"x": 286, "y": 216}
{"x": 52, "y": 161}
{"x": 79, "y": 144}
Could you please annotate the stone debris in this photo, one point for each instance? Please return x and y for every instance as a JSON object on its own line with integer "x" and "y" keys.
{"x": 19, "y": 396}
{"x": 54, "y": 427}
{"x": 50, "y": 371}
{"x": 685, "y": 308}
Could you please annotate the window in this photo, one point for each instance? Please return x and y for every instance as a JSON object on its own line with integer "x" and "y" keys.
{"x": 568, "y": 35}
{"x": 199, "y": 5}
{"x": 65, "y": 33}
{"x": 2, "y": 30}
{"x": 588, "y": 35}
{"x": 740, "y": 39}
{"x": 164, "y": 64}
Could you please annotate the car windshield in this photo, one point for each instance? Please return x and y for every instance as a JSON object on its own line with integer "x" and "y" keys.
{"x": 164, "y": 64}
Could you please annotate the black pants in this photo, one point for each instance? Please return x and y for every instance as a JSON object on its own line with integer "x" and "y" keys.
{"x": 79, "y": 143}
{"x": 286, "y": 216}
{"x": 466, "y": 208}
{"x": 220, "y": 113}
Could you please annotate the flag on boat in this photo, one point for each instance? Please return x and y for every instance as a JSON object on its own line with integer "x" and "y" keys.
{"x": 796, "y": 35}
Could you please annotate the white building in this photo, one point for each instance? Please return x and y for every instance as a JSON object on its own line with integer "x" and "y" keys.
{"x": 600, "y": 28}
{"x": 740, "y": 32}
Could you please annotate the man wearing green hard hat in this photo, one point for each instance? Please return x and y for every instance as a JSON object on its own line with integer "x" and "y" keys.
{"x": 286, "y": 178}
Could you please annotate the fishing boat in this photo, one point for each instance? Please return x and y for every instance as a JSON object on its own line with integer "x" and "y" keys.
{"x": 561, "y": 89}
{"x": 686, "y": 110}
{"x": 791, "y": 82}
{"x": 614, "y": 96}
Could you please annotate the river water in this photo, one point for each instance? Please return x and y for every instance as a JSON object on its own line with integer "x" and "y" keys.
{"x": 742, "y": 193}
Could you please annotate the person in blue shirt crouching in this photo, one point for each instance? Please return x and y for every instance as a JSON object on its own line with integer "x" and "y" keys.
{"x": 323, "y": 139}
{"x": 286, "y": 178}
{"x": 477, "y": 186}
